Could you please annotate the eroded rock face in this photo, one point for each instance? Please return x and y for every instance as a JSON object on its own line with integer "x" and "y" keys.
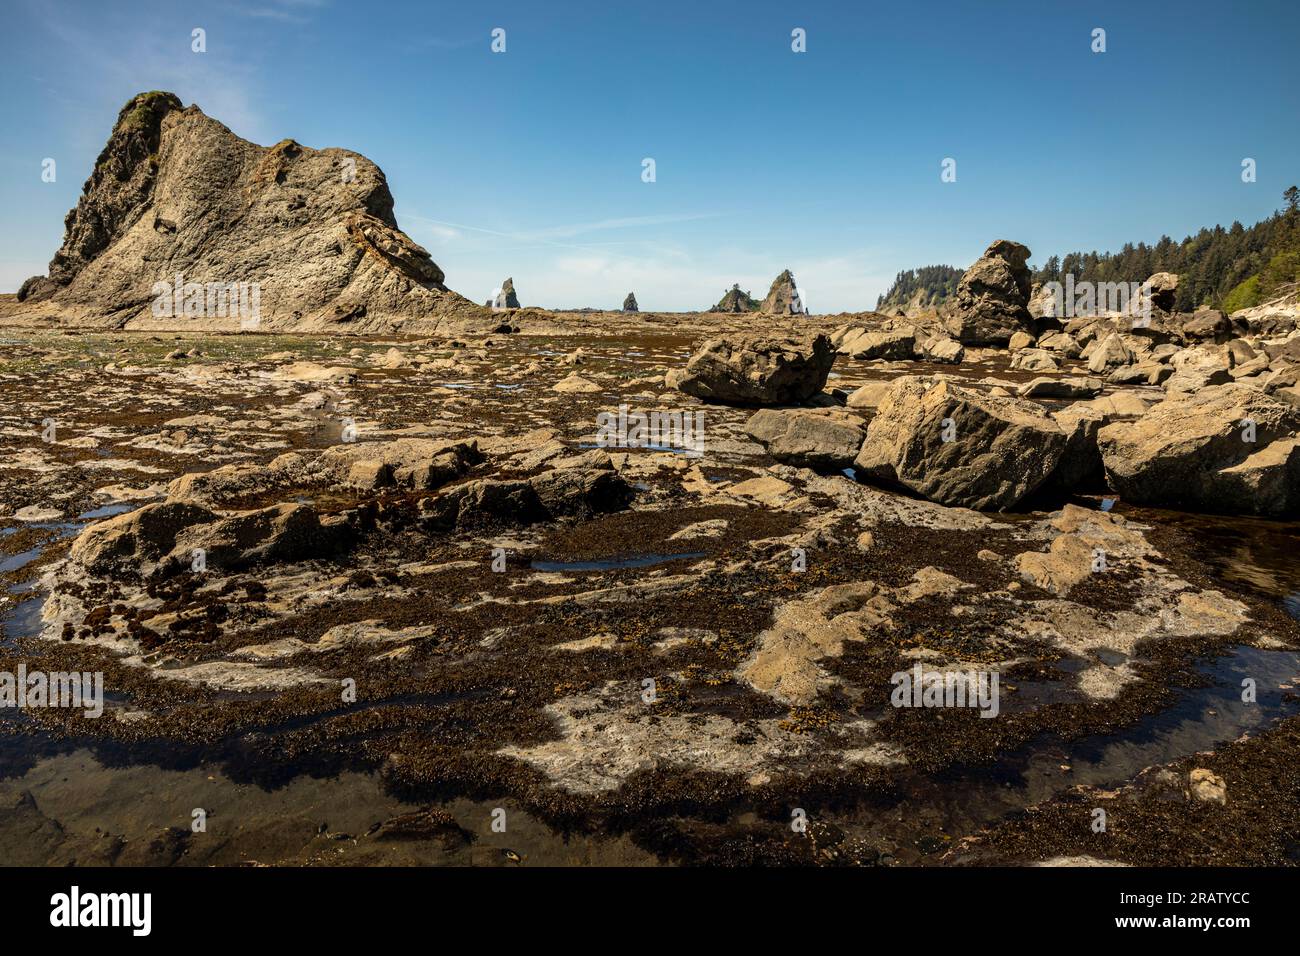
{"x": 957, "y": 447}
{"x": 175, "y": 193}
{"x": 756, "y": 370}
{"x": 1193, "y": 452}
{"x": 992, "y": 300}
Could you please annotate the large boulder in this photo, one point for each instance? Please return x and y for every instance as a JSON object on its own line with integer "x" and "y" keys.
{"x": 1192, "y": 452}
{"x": 274, "y": 238}
{"x": 568, "y": 492}
{"x": 1206, "y": 325}
{"x": 992, "y": 300}
{"x": 891, "y": 344}
{"x": 629, "y": 304}
{"x": 756, "y": 370}
{"x": 1108, "y": 353}
{"x": 821, "y": 439}
{"x": 960, "y": 448}
{"x": 1195, "y": 370}
{"x": 1162, "y": 287}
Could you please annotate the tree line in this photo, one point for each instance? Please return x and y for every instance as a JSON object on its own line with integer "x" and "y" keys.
{"x": 1228, "y": 268}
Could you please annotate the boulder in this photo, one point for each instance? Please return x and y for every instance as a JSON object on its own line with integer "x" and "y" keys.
{"x": 579, "y": 492}
{"x": 1060, "y": 342}
{"x": 939, "y": 349}
{"x": 870, "y": 395}
{"x": 283, "y": 532}
{"x": 1034, "y": 360}
{"x": 890, "y": 344}
{"x": 629, "y": 304}
{"x": 1206, "y": 325}
{"x": 1070, "y": 387}
{"x": 1143, "y": 373}
{"x": 229, "y": 481}
{"x": 1110, "y": 352}
{"x": 1163, "y": 289}
{"x": 414, "y": 463}
{"x": 1191, "y": 452}
{"x": 991, "y": 302}
{"x": 1000, "y": 450}
{"x": 756, "y": 369}
{"x": 575, "y": 384}
{"x": 1196, "y": 369}
{"x": 808, "y": 439}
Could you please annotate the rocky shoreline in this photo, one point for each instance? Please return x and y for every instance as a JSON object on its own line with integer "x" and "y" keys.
{"x": 371, "y": 560}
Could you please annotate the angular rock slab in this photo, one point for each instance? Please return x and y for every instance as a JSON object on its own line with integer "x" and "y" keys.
{"x": 1001, "y": 449}
{"x": 756, "y": 370}
{"x": 1191, "y": 452}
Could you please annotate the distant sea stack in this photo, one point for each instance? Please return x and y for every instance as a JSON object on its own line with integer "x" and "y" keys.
{"x": 183, "y": 225}
{"x": 505, "y": 297}
{"x": 629, "y": 304}
{"x": 783, "y": 298}
{"x": 736, "y": 301}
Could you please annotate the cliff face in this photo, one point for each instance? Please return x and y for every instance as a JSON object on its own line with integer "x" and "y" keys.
{"x": 291, "y": 238}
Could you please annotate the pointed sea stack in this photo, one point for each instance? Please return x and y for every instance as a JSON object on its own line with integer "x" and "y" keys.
{"x": 505, "y": 297}
{"x": 783, "y": 298}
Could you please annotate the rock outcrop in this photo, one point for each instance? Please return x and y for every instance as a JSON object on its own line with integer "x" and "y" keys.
{"x": 629, "y": 304}
{"x": 992, "y": 300}
{"x": 183, "y": 225}
{"x": 734, "y": 301}
{"x": 756, "y": 370}
{"x": 783, "y": 298}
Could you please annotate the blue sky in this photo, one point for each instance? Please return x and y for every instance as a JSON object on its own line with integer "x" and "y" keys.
{"x": 528, "y": 163}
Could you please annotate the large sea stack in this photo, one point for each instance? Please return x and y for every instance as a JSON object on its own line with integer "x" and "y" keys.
{"x": 183, "y": 225}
